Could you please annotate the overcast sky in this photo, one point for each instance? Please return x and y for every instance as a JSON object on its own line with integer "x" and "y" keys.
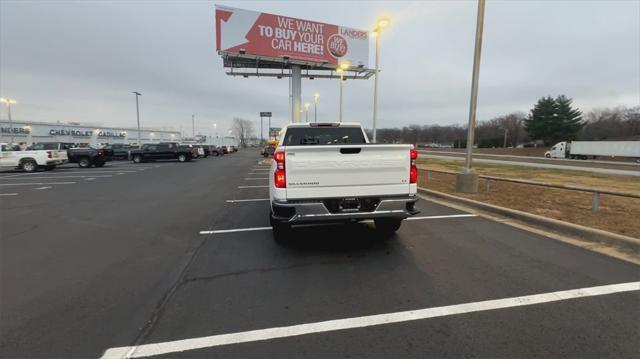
{"x": 79, "y": 61}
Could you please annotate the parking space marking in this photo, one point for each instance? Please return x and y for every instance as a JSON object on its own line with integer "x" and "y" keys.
{"x": 246, "y": 200}
{"x": 35, "y": 184}
{"x": 175, "y": 346}
{"x": 24, "y": 175}
{"x": 236, "y": 230}
{"x": 253, "y": 186}
{"x": 8, "y": 194}
{"x": 440, "y": 217}
{"x": 45, "y": 187}
{"x": 50, "y": 177}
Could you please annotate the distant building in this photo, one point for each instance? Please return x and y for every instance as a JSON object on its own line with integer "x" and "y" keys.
{"x": 33, "y": 132}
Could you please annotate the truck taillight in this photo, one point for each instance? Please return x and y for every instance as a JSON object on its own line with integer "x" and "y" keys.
{"x": 101, "y": 153}
{"x": 49, "y": 154}
{"x": 413, "y": 170}
{"x": 279, "y": 176}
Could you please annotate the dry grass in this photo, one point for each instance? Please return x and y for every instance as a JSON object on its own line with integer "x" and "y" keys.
{"x": 617, "y": 214}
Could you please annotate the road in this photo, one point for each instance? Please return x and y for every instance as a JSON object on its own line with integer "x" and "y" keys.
{"x": 574, "y": 165}
{"x": 111, "y": 262}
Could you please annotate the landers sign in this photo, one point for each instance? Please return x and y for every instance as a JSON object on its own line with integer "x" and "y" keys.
{"x": 16, "y": 130}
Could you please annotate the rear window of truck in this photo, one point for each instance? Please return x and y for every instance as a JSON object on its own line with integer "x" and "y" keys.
{"x": 308, "y": 136}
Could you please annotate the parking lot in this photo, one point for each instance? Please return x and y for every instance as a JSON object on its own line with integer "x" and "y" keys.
{"x": 170, "y": 259}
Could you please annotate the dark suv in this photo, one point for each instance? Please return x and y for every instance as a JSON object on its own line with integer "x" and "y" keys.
{"x": 161, "y": 151}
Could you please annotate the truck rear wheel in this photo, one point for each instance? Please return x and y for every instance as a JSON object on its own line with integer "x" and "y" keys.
{"x": 281, "y": 230}
{"x": 182, "y": 158}
{"x": 84, "y": 162}
{"x": 29, "y": 165}
{"x": 137, "y": 159}
{"x": 387, "y": 226}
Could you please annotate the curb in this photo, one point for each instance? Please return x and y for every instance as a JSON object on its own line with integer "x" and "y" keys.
{"x": 560, "y": 227}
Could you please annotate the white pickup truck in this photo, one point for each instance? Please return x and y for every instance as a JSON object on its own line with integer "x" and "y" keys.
{"x": 328, "y": 172}
{"x": 29, "y": 161}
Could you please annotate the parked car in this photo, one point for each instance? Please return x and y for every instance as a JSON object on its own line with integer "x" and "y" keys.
{"x": 120, "y": 150}
{"x": 162, "y": 151}
{"x": 58, "y": 149}
{"x": 89, "y": 156}
{"x": 269, "y": 151}
{"x": 233, "y": 149}
{"x": 336, "y": 175}
{"x": 225, "y": 150}
{"x": 28, "y": 161}
{"x": 201, "y": 150}
{"x": 214, "y": 151}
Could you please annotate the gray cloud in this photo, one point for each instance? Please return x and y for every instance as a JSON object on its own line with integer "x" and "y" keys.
{"x": 78, "y": 61}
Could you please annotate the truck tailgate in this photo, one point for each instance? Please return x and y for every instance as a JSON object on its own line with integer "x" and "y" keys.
{"x": 347, "y": 170}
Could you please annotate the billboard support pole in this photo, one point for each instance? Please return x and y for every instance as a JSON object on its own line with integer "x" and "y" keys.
{"x": 296, "y": 89}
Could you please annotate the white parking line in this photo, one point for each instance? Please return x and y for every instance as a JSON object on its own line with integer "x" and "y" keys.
{"x": 236, "y": 230}
{"x": 62, "y": 173}
{"x": 45, "y": 187}
{"x": 246, "y": 200}
{"x": 440, "y": 217}
{"x": 34, "y": 184}
{"x": 50, "y": 177}
{"x": 256, "y": 178}
{"x": 253, "y": 186}
{"x": 8, "y": 194}
{"x": 146, "y": 350}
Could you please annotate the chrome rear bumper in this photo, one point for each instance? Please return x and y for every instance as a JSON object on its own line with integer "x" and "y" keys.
{"x": 316, "y": 211}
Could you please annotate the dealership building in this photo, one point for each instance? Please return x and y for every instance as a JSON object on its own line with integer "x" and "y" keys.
{"x": 34, "y": 132}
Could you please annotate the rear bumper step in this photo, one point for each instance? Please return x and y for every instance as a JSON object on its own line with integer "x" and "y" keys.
{"x": 316, "y": 211}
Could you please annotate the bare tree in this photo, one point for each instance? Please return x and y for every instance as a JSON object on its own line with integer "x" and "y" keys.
{"x": 243, "y": 130}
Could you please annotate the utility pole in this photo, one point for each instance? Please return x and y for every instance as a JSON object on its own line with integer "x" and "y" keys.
{"x": 261, "y": 131}
{"x": 467, "y": 181}
{"x": 138, "y": 115}
{"x": 193, "y": 126}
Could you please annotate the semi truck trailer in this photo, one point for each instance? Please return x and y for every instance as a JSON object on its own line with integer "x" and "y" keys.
{"x": 593, "y": 149}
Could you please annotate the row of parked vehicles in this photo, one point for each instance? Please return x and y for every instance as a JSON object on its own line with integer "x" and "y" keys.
{"x": 48, "y": 155}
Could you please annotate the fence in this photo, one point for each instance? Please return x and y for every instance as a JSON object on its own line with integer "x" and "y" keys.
{"x": 595, "y": 204}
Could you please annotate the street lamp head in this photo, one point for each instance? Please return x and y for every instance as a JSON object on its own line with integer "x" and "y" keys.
{"x": 136, "y": 93}
{"x": 382, "y": 23}
{"x": 8, "y": 101}
{"x": 215, "y": 125}
{"x": 345, "y": 65}
{"x": 306, "y": 106}
{"x": 316, "y": 96}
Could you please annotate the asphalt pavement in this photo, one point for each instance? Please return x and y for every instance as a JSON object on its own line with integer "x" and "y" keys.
{"x": 176, "y": 260}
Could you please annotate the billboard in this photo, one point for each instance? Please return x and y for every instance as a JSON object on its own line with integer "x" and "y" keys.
{"x": 266, "y": 35}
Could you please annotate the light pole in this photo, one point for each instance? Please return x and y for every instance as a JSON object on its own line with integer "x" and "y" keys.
{"x": 9, "y": 102}
{"x": 380, "y": 25}
{"x": 467, "y": 181}
{"x": 138, "y": 114}
{"x": 306, "y": 109}
{"x": 316, "y": 96}
{"x": 341, "y": 69}
{"x": 193, "y": 126}
{"x": 215, "y": 129}
{"x": 506, "y": 132}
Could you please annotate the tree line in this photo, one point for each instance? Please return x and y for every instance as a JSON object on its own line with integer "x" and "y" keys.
{"x": 551, "y": 120}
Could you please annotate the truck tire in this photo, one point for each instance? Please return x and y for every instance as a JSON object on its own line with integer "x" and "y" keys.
{"x": 182, "y": 158}
{"x": 387, "y": 226}
{"x": 281, "y": 230}
{"x": 547, "y": 155}
{"x": 29, "y": 165}
{"x": 137, "y": 159}
{"x": 99, "y": 164}
{"x": 84, "y": 162}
